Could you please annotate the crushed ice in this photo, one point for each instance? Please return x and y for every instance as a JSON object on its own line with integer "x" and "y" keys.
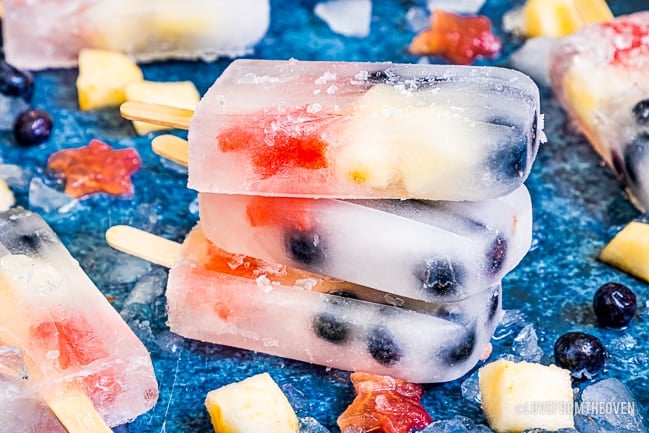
{"x": 346, "y": 17}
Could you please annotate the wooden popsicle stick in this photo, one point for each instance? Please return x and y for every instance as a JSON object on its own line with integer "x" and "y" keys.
{"x": 144, "y": 245}
{"x": 172, "y": 148}
{"x": 593, "y": 11}
{"x": 164, "y": 115}
{"x": 74, "y": 410}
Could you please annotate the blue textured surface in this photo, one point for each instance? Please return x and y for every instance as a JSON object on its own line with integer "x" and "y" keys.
{"x": 577, "y": 206}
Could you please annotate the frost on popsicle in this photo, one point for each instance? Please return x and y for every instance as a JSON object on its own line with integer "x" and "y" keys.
{"x": 364, "y": 130}
{"x": 64, "y": 326}
{"x": 615, "y": 116}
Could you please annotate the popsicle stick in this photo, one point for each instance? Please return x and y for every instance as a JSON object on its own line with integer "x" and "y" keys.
{"x": 74, "y": 410}
{"x": 593, "y": 11}
{"x": 147, "y": 246}
{"x": 164, "y": 115}
{"x": 172, "y": 148}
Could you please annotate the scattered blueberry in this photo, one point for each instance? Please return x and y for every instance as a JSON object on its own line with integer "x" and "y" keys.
{"x": 32, "y": 127}
{"x": 461, "y": 351}
{"x": 496, "y": 255}
{"x": 15, "y": 83}
{"x": 633, "y": 153}
{"x": 331, "y": 328}
{"x": 382, "y": 347}
{"x": 305, "y": 246}
{"x": 581, "y": 353}
{"x": 641, "y": 112}
{"x": 442, "y": 277}
{"x": 615, "y": 305}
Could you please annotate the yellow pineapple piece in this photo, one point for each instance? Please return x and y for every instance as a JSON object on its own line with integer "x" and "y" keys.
{"x": 181, "y": 94}
{"x": 562, "y": 17}
{"x": 254, "y": 405}
{"x": 629, "y": 250}
{"x": 103, "y": 77}
{"x": 6, "y": 196}
{"x": 524, "y": 395}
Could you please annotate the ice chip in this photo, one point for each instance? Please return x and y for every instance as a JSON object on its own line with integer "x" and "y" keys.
{"x": 311, "y": 425}
{"x": 48, "y": 199}
{"x": 347, "y": 17}
{"x": 526, "y": 344}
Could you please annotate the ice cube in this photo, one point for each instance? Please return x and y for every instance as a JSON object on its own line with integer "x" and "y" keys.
{"x": 14, "y": 176}
{"x": 48, "y": 199}
{"x": 12, "y": 364}
{"x": 417, "y": 19}
{"x": 311, "y": 425}
{"x": 471, "y": 389}
{"x": 457, "y": 424}
{"x": 526, "y": 344}
{"x": 533, "y": 58}
{"x": 346, "y": 17}
{"x": 10, "y": 107}
{"x": 146, "y": 290}
{"x": 459, "y": 6}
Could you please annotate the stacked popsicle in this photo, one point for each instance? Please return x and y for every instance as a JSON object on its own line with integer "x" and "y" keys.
{"x": 338, "y": 169}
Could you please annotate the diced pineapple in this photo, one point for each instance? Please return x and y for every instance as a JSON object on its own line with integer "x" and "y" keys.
{"x": 254, "y": 405}
{"x": 180, "y": 94}
{"x": 629, "y": 250}
{"x": 520, "y": 396}
{"x": 6, "y": 197}
{"x": 562, "y": 17}
{"x": 103, "y": 77}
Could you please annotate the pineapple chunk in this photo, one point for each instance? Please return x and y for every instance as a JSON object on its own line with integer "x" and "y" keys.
{"x": 6, "y": 196}
{"x": 562, "y": 17}
{"x": 181, "y": 94}
{"x": 254, "y": 405}
{"x": 520, "y": 396}
{"x": 629, "y": 250}
{"x": 103, "y": 77}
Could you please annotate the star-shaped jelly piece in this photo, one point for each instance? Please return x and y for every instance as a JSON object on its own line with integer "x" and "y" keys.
{"x": 459, "y": 39}
{"x": 96, "y": 168}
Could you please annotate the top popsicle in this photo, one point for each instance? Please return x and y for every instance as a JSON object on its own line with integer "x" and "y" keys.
{"x": 364, "y": 130}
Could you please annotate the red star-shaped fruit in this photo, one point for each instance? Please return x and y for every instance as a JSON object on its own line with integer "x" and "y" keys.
{"x": 459, "y": 39}
{"x": 96, "y": 168}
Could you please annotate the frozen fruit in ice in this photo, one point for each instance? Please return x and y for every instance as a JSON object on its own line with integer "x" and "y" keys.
{"x": 615, "y": 305}
{"x": 103, "y": 77}
{"x": 181, "y": 94}
{"x": 460, "y": 39}
{"x": 514, "y": 396}
{"x": 254, "y": 405}
{"x": 96, "y": 168}
{"x": 461, "y": 350}
{"x": 32, "y": 127}
{"x": 581, "y": 353}
{"x": 561, "y": 17}
{"x": 15, "y": 83}
{"x": 629, "y": 250}
{"x": 331, "y": 328}
{"x": 641, "y": 112}
{"x": 305, "y": 247}
{"x": 384, "y": 404}
{"x": 382, "y": 346}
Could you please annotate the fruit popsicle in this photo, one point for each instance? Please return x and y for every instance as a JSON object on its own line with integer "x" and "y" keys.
{"x": 147, "y": 30}
{"x": 69, "y": 334}
{"x": 615, "y": 116}
{"x": 433, "y": 251}
{"x": 364, "y": 130}
{"x": 238, "y": 301}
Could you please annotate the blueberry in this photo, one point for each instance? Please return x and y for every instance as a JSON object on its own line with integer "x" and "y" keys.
{"x": 581, "y": 353}
{"x": 382, "y": 347}
{"x": 615, "y": 305}
{"x": 511, "y": 161}
{"x": 305, "y": 247}
{"x": 32, "y": 127}
{"x": 331, "y": 328}
{"x": 641, "y": 112}
{"x": 461, "y": 351}
{"x": 633, "y": 155}
{"x": 380, "y": 77}
{"x": 15, "y": 83}
{"x": 496, "y": 255}
{"x": 441, "y": 277}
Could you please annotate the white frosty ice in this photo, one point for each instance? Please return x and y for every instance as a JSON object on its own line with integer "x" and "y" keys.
{"x": 533, "y": 58}
{"x": 347, "y": 17}
{"x": 460, "y": 6}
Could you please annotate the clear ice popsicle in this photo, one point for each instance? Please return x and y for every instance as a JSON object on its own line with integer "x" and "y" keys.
{"x": 600, "y": 76}
{"x": 238, "y": 301}
{"x": 433, "y": 251}
{"x": 43, "y": 34}
{"x": 65, "y": 328}
{"x": 364, "y": 130}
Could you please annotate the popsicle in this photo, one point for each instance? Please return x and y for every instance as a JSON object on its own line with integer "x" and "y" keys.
{"x": 360, "y": 130}
{"x": 74, "y": 343}
{"x": 434, "y": 251}
{"x": 615, "y": 116}
{"x": 247, "y": 303}
{"x": 49, "y": 33}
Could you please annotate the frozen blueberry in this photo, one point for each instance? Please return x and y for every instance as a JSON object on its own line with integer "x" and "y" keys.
{"x": 494, "y": 304}
{"x": 535, "y": 131}
{"x": 581, "y": 353}
{"x": 496, "y": 255}
{"x": 32, "y": 127}
{"x": 441, "y": 277}
{"x": 510, "y": 162}
{"x": 460, "y": 351}
{"x": 633, "y": 155}
{"x": 381, "y": 77}
{"x": 331, "y": 328}
{"x": 615, "y": 305}
{"x": 305, "y": 247}
{"x": 641, "y": 112}
{"x": 15, "y": 83}
{"x": 382, "y": 347}
{"x": 23, "y": 243}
